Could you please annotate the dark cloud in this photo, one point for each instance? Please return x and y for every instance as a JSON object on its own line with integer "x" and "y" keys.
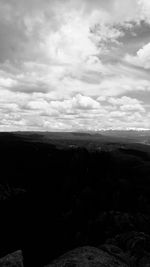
{"x": 134, "y": 36}
{"x": 12, "y": 40}
{"x": 30, "y": 88}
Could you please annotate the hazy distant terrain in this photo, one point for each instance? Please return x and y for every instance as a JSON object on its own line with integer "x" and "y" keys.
{"x": 87, "y": 138}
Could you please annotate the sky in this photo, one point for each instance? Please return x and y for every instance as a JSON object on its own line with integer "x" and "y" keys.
{"x": 71, "y": 65}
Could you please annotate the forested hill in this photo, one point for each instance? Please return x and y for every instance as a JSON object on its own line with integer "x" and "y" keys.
{"x": 57, "y": 193}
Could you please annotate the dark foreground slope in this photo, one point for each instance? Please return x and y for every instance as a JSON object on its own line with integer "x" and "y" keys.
{"x": 59, "y": 193}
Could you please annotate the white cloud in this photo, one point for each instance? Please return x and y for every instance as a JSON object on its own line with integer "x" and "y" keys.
{"x": 84, "y": 102}
{"x": 73, "y": 106}
{"x": 145, "y": 9}
{"x": 123, "y": 101}
{"x": 71, "y": 44}
{"x": 79, "y": 112}
{"x": 142, "y": 58}
{"x": 127, "y": 104}
{"x": 129, "y": 107}
{"x": 7, "y": 82}
{"x": 57, "y": 73}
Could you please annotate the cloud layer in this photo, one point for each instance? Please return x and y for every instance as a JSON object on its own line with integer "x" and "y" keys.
{"x": 74, "y": 65}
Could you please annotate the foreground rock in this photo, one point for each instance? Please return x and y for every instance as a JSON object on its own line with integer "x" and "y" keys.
{"x": 12, "y": 260}
{"x": 135, "y": 247}
{"x": 88, "y": 257}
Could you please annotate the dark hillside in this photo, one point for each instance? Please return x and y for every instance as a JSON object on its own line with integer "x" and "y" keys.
{"x": 54, "y": 198}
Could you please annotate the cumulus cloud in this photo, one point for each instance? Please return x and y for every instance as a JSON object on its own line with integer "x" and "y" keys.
{"x": 127, "y": 104}
{"x": 142, "y": 58}
{"x": 124, "y": 100}
{"x": 67, "y": 65}
{"x": 67, "y": 106}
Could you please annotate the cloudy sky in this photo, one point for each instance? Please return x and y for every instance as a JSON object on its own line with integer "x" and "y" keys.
{"x": 69, "y": 65}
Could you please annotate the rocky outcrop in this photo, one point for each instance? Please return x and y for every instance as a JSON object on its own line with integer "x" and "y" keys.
{"x": 88, "y": 257}
{"x": 117, "y": 253}
{"x": 131, "y": 249}
{"x": 12, "y": 260}
{"x": 135, "y": 247}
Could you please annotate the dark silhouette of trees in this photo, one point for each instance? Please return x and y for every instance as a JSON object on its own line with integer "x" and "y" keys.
{"x": 68, "y": 197}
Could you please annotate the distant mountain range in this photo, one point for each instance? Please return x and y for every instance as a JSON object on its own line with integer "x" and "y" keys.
{"x": 87, "y": 138}
{"x": 126, "y": 133}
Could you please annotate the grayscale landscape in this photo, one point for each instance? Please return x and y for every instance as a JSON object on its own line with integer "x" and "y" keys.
{"x": 74, "y": 133}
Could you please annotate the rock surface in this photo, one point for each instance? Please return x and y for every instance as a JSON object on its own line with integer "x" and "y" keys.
{"x": 88, "y": 257}
{"x": 12, "y": 260}
{"x": 135, "y": 247}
